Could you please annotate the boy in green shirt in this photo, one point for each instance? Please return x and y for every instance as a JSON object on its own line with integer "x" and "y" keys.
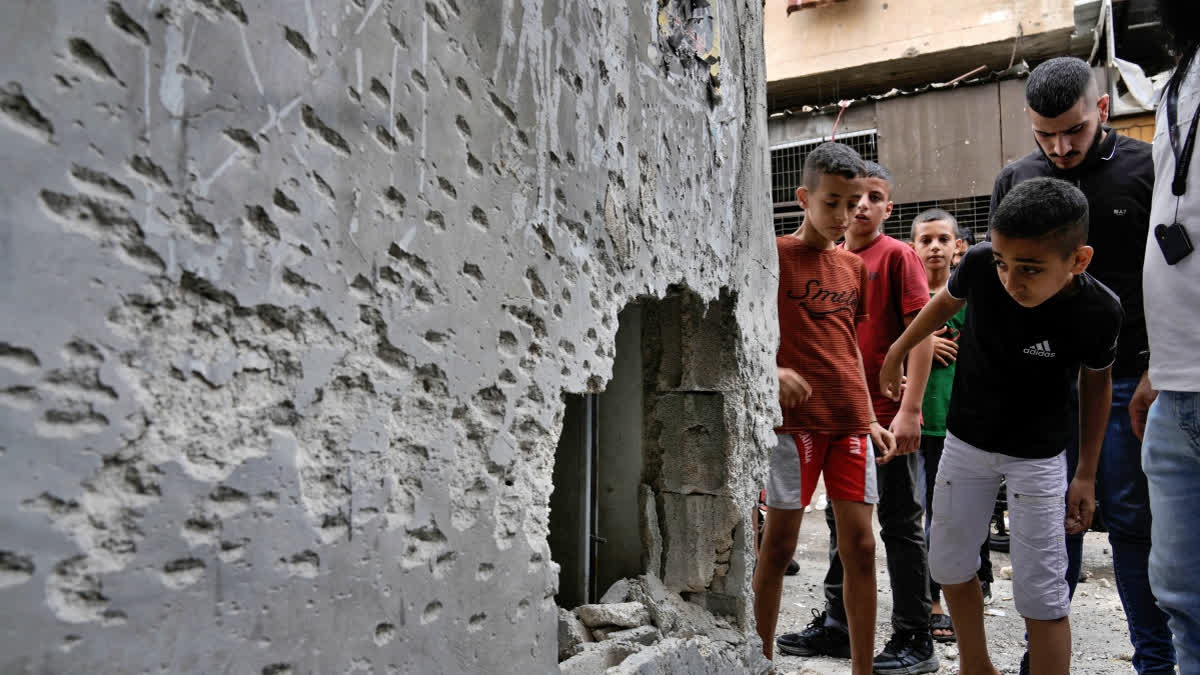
{"x": 935, "y": 239}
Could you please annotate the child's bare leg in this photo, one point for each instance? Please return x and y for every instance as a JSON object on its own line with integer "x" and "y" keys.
{"x": 966, "y": 612}
{"x": 1049, "y": 646}
{"x": 856, "y": 546}
{"x": 774, "y": 554}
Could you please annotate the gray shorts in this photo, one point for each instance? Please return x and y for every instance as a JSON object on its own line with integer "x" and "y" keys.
{"x": 964, "y": 496}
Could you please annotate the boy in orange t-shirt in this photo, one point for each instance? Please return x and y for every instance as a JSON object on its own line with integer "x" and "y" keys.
{"x": 828, "y": 420}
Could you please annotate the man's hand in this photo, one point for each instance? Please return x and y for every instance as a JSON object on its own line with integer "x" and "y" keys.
{"x": 1081, "y": 505}
{"x": 891, "y": 376}
{"x": 906, "y": 427}
{"x": 945, "y": 350}
{"x": 885, "y": 441}
{"x": 1139, "y": 405}
{"x": 793, "y": 389}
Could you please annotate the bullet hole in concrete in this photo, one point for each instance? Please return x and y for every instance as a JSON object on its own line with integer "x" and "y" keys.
{"x": 472, "y": 270}
{"x": 18, "y": 359}
{"x": 379, "y": 91}
{"x": 535, "y": 284}
{"x": 462, "y": 87}
{"x": 432, "y": 11}
{"x": 284, "y": 202}
{"x": 447, "y": 187}
{"x": 384, "y": 634}
{"x": 297, "y": 41}
{"x": 92, "y": 61}
{"x": 385, "y": 139}
{"x": 244, "y": 139}
{"x": 148, "y": 171}
{"x": 402, "y": 128}
{"x": 15, "y": 569}
{"x": 326, "y": 134}
{"x": 256, "y": 217}
{"x": 124, "y": 23}
{"x": 419, "y": 79}
{"x": 278, "y": 669}
{"x": 474, "y": 164}
{"x": 21, "y": 114}
{"x": 432, "y": 611}
{"x": 503, "y": 108}
{"x": 463, "y": 127}
{"x": 436, "y": 220}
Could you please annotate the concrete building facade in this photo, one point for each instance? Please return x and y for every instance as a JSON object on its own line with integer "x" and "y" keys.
{"x": 305, "y": 305}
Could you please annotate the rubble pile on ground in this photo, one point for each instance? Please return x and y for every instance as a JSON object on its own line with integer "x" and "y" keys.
{"x": 641, "y": 627}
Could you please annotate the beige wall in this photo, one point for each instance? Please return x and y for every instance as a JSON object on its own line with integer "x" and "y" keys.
{"x": 818, "y": 53}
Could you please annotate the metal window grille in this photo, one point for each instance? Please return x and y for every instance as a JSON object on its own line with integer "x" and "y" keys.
{"x": 972, "y": 214}
{"x": 787, "y": 165}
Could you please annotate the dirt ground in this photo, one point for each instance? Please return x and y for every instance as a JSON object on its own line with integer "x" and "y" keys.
{"x": 1101, "y": 639}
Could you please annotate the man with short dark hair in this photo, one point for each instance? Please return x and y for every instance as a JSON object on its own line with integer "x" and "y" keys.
{"x": 1116, "y": 173}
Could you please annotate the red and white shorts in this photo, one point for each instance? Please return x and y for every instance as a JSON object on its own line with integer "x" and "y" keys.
{"x": 797, "y": 460}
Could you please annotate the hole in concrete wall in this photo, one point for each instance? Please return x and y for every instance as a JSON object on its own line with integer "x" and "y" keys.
{"x": 643, "y": 471}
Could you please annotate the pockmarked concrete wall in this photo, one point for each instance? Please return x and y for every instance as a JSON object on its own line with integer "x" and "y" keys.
{"x": 291, "y": 292}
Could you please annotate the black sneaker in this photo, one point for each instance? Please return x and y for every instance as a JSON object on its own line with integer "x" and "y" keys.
{"x": 986, "y": 587}
{"x": 816, "y": 640}
{"x": 793, "y": 568}
{"x": 907, "y": 653}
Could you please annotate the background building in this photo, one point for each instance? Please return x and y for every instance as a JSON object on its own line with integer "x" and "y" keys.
{"x": 935, "y": 90}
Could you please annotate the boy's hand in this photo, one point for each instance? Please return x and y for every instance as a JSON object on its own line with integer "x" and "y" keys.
{"x": 1139, "y": 405}
{"x": 1081, "y": 505}
{"x": 885, "y": 441}
{"x": 906, "y": 427}
{"x": 891, "y": 376}
{"x": 793, "y": 389}
{"x": 945, "y": 350}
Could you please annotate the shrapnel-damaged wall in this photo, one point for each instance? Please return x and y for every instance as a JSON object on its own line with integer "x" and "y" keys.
{"x": 291, "y": 293}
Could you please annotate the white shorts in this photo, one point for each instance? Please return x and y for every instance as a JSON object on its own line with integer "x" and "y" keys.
{"x": 964, "y": 496}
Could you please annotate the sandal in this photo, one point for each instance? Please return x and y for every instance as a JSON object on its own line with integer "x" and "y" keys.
{"x": 942, "y": 622}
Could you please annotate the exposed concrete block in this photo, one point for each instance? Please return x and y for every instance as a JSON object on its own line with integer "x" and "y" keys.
{"x": 618, "y": 592}
{"x": 627, "y": 614}
{"x": 692, "y": 442}
{"x": 698, "y": 538}
{"x": 572, "y": 634}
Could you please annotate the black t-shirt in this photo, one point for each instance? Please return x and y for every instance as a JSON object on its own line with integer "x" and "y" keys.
{"x": 1117, "y": 177}
{"x": 1016, "y": 364}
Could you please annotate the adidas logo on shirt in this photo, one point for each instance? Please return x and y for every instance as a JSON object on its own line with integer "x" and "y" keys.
{"x": 1040, "y": 349}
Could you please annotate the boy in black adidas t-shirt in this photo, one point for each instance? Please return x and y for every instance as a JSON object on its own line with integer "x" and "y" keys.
{"x": 1034, "y": 317}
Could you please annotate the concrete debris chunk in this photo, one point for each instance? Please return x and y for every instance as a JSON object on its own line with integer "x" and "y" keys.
{"x": 642, "y": 635}
{"x": 618, "y": 592}
{"x": 597, "y": 657}
{"x": 626, "y": 614}
{"x": 572, "y": 634}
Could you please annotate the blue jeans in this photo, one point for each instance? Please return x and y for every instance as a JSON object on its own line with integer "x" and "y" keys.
{"x": 1171, "y": 458}
{"x": 1125, "y": 507}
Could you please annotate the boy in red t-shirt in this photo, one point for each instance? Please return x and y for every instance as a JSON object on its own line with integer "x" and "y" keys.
{"x": 898, "y": 290}
{"x": 828, "y": 420}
